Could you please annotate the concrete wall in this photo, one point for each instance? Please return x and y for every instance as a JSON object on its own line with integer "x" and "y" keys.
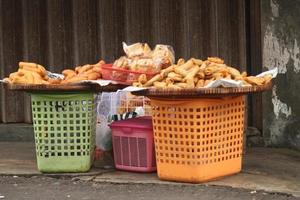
{"x": 281, "y": 43}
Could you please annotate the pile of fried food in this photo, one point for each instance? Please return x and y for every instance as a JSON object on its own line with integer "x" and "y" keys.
{"x": 196, "y": 73}
{"x": 33, "y": 73}
{"x": 80, "y": 73}
{"x": 139, "y": 57}
{"x": 30, "y": 73}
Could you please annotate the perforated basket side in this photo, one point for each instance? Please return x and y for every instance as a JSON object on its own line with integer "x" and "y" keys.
{"x": 198, "y": 140}
{"x": 64, "y": 127}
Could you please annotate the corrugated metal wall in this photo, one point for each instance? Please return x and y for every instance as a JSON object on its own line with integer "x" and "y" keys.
{"x": 65, "y": 33}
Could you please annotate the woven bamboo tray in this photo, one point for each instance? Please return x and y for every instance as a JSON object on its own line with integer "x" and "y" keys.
{"x": 201, "y": 92}
{"x": 63, "y": 87}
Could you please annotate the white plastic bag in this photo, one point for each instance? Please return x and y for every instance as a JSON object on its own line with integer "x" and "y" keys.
{"x": 106, "y": 106}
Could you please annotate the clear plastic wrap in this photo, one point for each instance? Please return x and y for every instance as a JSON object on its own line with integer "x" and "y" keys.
{"x": 106, "y": 106}
{"x": 139, "y": 57}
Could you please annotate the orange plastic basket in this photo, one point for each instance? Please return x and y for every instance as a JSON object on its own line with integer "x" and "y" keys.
{"x": 197, "y": 140}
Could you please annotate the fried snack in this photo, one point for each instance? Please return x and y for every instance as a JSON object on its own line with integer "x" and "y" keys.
{"x": 228, "y": 77}
{"x": 12, "y": 75}
{"x": 75, "y": 79}
{"x": 201, "y": 74}
{"x": 29, "y": 78}
{"x": 217, "y": 76}
{"x": 189, "y": 78}
{"x": 246, "y": 84}
{"x": 37, "y": 78}
{"x": 137, "y": 84}
{"x": 20, "y": 80}
{"x": 99, "y": 64}
{"x": 200, "y": 83}
{"x": 36, "y": 70}
{"x": 255, "y": 80}
{"x": 203, "y": 66}
{"x": 197, "y": 61}
{"x": 68, "y": 72}
{"x": 54, "y": 81}
{"x": 77, "y": 69}
{"x": 181, "y": 85}
{"x": 42, "y": 69}
{"x": 33, "y": 67}
{"x": 180, "y": 61}
{"x": 160, "y": 84}
{"x": 172, "y": 86}
{"x": 166, "y": 71}
{"x": 97, "y": 69}
{"x": 215, "y": 60}
{"x": 169, "y": 81}
{"x": 186, "y": 66}
{"x": 156, "y": 78}
{"x": 174, "y": 76}
{"x": 142, "y": 79}
{"x": 211, "y": 69}
{"x": 183, "y": 69}
{"x": 40, "y": 81}
{"x": 25, "y": 71}
{"x": 84, "y": 68}
{"x": 90, "y": 71}
{"x": 234, "y": 72}
{"x": 93, "y": 76}
{"x": 46, "y": 77}
{"x": 29, "y": 64}
{"x": 238, "y": 78}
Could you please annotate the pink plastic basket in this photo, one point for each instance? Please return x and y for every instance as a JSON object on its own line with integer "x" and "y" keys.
{"x": 133, "y": 145}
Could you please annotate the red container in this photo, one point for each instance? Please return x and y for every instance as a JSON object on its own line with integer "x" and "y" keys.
{"x": 122, "y": 76}
{"x": 133, "y": 145}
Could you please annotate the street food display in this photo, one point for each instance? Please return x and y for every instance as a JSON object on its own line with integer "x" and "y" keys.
{"x": 145, "y": 67}
{"x": 199, "y": 103}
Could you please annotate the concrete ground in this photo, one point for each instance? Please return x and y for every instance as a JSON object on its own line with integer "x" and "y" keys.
{"x": 267, "y": 173}
{"x": 46, "y": 188}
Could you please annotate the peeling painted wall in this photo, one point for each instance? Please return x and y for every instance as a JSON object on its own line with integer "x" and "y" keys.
{"x": 281, "y": 48}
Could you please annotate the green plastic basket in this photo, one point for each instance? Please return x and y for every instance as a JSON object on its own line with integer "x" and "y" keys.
{"x": 64, "y": 128}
